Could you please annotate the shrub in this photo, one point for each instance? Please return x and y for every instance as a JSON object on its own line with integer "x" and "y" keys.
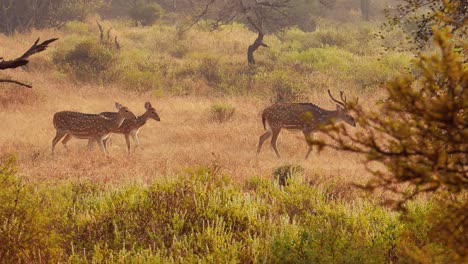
{"x": 201, "y": 216}
{"x": 284, "y": 173}
{"x": 75, "y": 10}
{"x": 420, "y": 138}
{"x": 137, "y": 80}
{"x": 222, "y": 112}
{"x": 25, "y": 229}
{"x": 88, "y": 61}
{"x": 209, "y": 68}
{"x": 332, "y": 38}
{"x": 328, "y": 58}
{"x": 145, "y": 13}
{"x": 332, "y": 235}
{"x": 76, "y": 27}
{"x": 285, "y": 86}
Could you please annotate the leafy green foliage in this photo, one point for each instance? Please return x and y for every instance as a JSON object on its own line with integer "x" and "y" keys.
{"x": 23, "y": 15}
{"x": 88, "y": 61}
{"x": 283, "y": 174}
{"x": 145, "y": 13}
{"x": 286, "y": 86}
{"x": 419, "y": 133}
{"x": 420, "y": 17}
{"x": 25, "y": 233}
{"x": 201, "y": 216}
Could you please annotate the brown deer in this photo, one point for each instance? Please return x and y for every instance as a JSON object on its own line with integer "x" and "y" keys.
{"x": 302, "y": 116}
{"x": 131, "y": 127}
{"x": 88, "y": 126}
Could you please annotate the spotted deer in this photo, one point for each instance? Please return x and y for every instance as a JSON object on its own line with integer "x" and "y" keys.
{"x": 88, "y": 126}
{"x": 307, "y": 117}
{"x": 131, "y": 127}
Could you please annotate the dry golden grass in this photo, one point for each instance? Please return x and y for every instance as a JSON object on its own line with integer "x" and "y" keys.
{"x": 185, "y": 137}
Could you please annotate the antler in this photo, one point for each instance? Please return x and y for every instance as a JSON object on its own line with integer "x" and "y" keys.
{"x": 342, "y": 98}
{"x": 23, "y": 59}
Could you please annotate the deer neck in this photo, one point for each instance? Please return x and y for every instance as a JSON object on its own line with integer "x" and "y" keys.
{"x": 331, "y": 116}
{"x": 141, "y": 120}
{"x": 117, "y": 122}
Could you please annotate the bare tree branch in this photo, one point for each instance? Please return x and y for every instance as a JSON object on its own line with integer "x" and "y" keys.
{"x": 15, "y": 82}
{"x": 23, "y": 59}
{"x": 199, "y": 16}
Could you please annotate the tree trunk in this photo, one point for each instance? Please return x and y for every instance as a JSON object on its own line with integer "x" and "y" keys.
{"x": 365, "y": 9}
{"x": 257, "y": 43}
{"x": 252, "y": 48}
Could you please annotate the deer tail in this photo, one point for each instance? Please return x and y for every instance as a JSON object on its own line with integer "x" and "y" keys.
{"x": 263, "y": 121}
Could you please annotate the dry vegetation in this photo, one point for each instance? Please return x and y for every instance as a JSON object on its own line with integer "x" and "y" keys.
{"x": 185, "y": 137}
{"x": 238, "y": 214}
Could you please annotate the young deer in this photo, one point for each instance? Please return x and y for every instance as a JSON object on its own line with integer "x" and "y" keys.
{"x": 131, "y": 127}
{"x": 88, "y": 126}
{"x": 302, "y": 116}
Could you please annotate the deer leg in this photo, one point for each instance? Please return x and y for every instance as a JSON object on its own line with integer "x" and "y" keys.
{"x": 135, "y": 138}
{"x": 104, "y": 141}
{"x": 91, "y": 144}
{"x": 101, "y": 146}
{"x": 273, "y": 141}
{"x": 65, "y": 141}
{"x": 308, "y": 137}
{"x": 127, "y": 139}
{"x": 262, "y": 139}
{"x": 58, "y": 136}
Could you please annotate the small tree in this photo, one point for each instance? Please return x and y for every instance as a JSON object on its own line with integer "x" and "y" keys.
{"x": 419, "y": 17}
{"x": 419, "y": 133}
{"x": 145, "y": 13}
{"x": 365, "y": 6}
{"x": 256, "y": 13}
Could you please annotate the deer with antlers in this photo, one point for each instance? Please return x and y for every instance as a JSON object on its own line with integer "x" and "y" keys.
{"x": 307, "y": 117}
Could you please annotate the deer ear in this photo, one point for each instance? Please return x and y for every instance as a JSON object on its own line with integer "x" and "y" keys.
{"x": 339, "y": 107}
{"x": 117, "y": 105}
{"x": 147, "y": 105}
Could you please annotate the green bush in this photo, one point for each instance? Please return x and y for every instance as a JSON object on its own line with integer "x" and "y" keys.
{"x": 332, "y": 38}
{"x": 201, "y": 216}
{"x": 26, "y": 231}
{"x": 137, "y": 80}
{"x": 75, "y": 10}
{"x": 327, "y": 59}
{"x": 222, "y": 112}
{"x": 334, "y": 236}
{"x": 284, "y": 86}
{"x": 283, "y": 174}
{"x": 87, "y": 61}
{"x": 76, "y": 27}
{"x": 145, "y": 13}
{"x": 210, "y": 69}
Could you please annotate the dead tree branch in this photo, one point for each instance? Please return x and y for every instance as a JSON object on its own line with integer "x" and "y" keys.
{"x": 15, "y": 82}
{"x": 23, "y": 59}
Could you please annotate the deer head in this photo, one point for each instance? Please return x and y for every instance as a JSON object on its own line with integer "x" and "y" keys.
{"x": 342, "y": 109}
{"x": 151, "y": 112}
{"x": 124, "y": 112}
